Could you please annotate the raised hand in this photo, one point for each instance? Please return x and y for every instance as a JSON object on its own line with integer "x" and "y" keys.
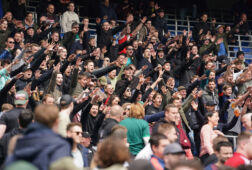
{"x": 144, "y": 19}
{"x": 19, "y": 75}
{"x": 78, "y": 62}
{"x": 71, "y": 57}
{"x": 194, "y": 105}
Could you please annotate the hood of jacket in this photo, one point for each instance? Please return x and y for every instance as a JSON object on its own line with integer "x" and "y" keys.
{"x": 38, "y": 144}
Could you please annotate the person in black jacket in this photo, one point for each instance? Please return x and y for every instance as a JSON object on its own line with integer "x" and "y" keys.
{"x": 71, "y": 36}
{"x": 115, "y": 117}
{"x": 156, "y": 106}
{"x": 202, "y": 27}
{"x": 24, "y": 119}
{"x": 104, "y": 33}
{"x": 160, "y": 24}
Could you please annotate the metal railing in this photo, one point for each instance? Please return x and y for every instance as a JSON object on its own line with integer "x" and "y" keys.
{"x": 244, "y": 43}
{"x": 234, "y": 140}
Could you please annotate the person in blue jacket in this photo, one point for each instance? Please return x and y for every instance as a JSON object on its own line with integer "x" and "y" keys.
{"x": 40, "y": 144}
{"x": 79, "y": 152}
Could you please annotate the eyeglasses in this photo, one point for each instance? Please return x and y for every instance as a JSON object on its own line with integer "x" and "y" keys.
{"x": 78, "y": 133}
{"x": 11, "y": 42}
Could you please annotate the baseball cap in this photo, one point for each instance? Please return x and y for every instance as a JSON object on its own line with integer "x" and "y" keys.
{"x": 66, "y": 99}
{"x": 173, "y": 148}
{"x": 26, "y": 68}
{"x": 210, "y": 103}
{"x": 127, "y": 67}
{"x": 181, "y": 88}
{"x": 21, "y": 97}
{"x": 219, "y": 26}
{"x": 85, "y": 135}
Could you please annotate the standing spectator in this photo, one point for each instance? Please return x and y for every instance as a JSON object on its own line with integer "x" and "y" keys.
{"x": 80, "y": 153}
{"x": 244, "y": 27}
{"x": 207, "y": 134}
{"x": 158, "y": 143}
{"x": 50, "y": 14}
{"x": 106, "y": 11}
{"x": 160, "y": 24}
{"x": 18, "y": 9}
{"x": 9, "y": 47}
{"x": 24, "y": 119}
{"x": 112, "y": 153}
{"x": 9, "y": 120}
{"x": 115, "y": 117}
{"x": 173, "y": 153}
{"x": 247, "y": 121}
{"x": 144, "y": 31}
{"x": 69, "y": 17}
{"x": 223, "y": 151}
{"x": 66, "y": 107}
{"x": 41, "y": 145}
{"x": 29, "y": 21}
{"x": 243, "y": 153}
{"x": 4, "y": 33}
{"x": 138, "y": 130}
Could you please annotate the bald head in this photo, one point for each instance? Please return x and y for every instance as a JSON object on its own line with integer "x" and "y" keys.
{"x": 247, "y": 121}
{"x": 116, "y": 111}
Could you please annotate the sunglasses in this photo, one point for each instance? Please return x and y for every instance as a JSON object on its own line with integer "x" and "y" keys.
{"x": 11, "y": 42}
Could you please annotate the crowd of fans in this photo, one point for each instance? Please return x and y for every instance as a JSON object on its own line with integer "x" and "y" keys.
{"x": 133, "y": 98}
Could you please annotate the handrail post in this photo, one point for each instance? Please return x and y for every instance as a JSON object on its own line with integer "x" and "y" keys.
{"x": 176, "y": 27}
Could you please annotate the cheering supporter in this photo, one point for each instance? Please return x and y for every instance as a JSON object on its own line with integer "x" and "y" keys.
{"x": 243, "y": 154}
{"x": 105, "y": 91}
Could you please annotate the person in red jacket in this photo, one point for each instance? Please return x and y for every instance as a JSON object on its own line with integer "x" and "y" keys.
{"x": 243, "y": 154}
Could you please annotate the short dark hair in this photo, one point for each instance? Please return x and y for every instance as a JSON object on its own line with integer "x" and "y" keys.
{"x": 155, "y": 138}
{"x": 222, "y": 144}
{"x": 74, "y": 23}
{"x": 25, "y": 118}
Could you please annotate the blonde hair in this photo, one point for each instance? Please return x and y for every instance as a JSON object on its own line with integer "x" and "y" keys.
{"x": 136, "y": 111}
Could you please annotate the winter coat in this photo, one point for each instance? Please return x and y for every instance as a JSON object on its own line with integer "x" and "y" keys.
{"x": 40, "y": 146}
